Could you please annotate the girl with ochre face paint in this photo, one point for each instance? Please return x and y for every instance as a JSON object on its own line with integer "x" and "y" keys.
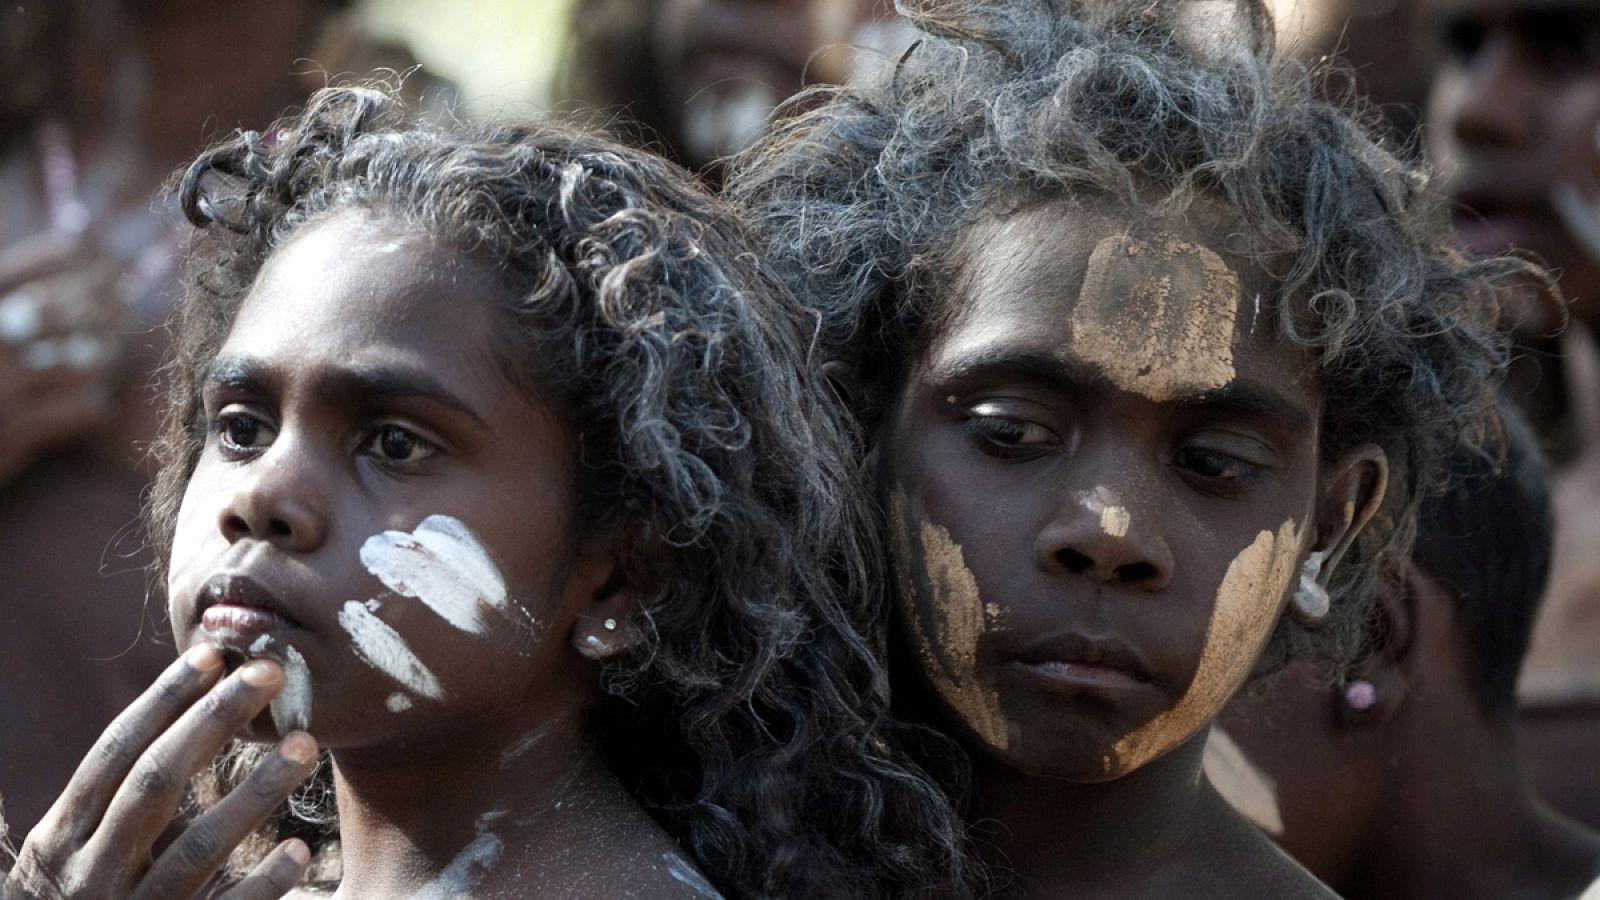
{"x": 1154, "y": 356}
{"x": 492, "y": 462}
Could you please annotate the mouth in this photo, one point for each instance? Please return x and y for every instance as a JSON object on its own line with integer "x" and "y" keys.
{"x": 1075, "y": 663}
{"x": 1487, "y": 223}
{"x": 237, "y": 612}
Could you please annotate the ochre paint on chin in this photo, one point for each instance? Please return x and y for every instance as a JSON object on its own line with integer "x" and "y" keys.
{"x": 1157, "y": 316}
{"x": 939, "y": 595}
{"x": 1246, "y": 611}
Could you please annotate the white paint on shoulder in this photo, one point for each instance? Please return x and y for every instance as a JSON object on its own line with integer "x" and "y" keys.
{"x": 686, "y": 874}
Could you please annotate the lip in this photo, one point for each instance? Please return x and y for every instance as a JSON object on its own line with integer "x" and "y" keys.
{"x": 1488, "y": 222}
{"x": 236, "y": 610}
{"x": 1075, "y": 662}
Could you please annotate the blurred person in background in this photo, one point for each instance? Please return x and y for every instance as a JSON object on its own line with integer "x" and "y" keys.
{"x": 1405, "y": 782}
{"x": 100, "y": 100}
{"x": 703, "y": 76}
{"x": 1512, "y": 120}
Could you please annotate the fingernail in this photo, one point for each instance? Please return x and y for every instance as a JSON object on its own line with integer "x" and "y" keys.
{"x": 258, "y": 673}
{"x": 297, "y": 850}
{"x": 298, "y": 747}
{"x": 203, "y": 658}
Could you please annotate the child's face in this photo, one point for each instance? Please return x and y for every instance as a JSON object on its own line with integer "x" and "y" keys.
{"x": 357, "y": 393}
{"x": 1102, "y": 478}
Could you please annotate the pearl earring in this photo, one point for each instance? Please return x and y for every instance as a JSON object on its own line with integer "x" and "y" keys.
{"x": 1311, "y": 599}
{"x": 610, "y": 624}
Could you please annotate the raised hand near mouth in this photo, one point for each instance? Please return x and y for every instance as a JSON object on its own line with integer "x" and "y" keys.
{"x": 96, "y": 841}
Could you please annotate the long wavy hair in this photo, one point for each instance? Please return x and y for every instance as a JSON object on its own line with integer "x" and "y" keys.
{"x": 647, "y": 321}
{"x": 863, "y": 196}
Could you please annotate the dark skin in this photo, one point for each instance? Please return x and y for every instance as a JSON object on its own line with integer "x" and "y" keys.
{"x": 1511, "y": 118}
{"x": 1423, "y": 795}
{"x": 1068, "y": 535}
{"x": 358, "y": 392}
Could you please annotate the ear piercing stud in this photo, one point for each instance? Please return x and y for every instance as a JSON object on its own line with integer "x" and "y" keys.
{"x": 609, "y": 624}
{"x": 1311, "y": 599}
{"x": 1360, "y": 695}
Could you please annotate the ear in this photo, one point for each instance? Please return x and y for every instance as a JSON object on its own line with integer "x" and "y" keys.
{"x": 1352, "y": 492}
{"x": 1377, "y": 693}
{"x": 614, "y": 583}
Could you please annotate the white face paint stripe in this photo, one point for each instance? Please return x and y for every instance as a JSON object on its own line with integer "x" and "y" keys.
{"x": 291, "y": 709}
{"x": 385, "y": 650}
{"x": 442, "y": 564}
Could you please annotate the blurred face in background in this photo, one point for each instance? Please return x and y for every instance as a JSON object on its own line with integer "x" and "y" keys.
{"x": 723, "y": 65}
{"x": 1512, "y": 120}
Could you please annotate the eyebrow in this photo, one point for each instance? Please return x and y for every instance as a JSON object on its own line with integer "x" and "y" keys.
{"x": 1243, "y": 397}
{"x": 353, "y": 382}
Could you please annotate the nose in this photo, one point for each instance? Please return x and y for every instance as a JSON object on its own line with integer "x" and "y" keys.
{"x": 277, "y": 500}
{"x": 1498, "y": 97}
{"x": 1096, "y": 534}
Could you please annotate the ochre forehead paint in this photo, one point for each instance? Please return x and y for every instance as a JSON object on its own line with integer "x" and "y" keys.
{"x": 1242, "y": 783}
{"x": 1157, "y": 316}
{"x": 947, "y": 616}
{"x": 1244, "y": 615}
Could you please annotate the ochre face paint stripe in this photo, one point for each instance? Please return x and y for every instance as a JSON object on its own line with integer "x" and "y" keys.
{"x": 1245, "y": 613}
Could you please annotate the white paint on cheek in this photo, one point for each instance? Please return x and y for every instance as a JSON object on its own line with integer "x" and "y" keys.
{"x": 471, "y": 865}
{"x": 397, "y": 702}
{"x": 442, "y": 564}
{"x": 291, "y": 709}
{"x": 685, "y": 874}
{"x": 385, "y": 650}
{"x": 1242, "y": 783}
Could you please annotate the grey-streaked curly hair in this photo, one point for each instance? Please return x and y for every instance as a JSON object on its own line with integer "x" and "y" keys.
{"x": 755, "y": 710}
{"x": 865, "y": 192}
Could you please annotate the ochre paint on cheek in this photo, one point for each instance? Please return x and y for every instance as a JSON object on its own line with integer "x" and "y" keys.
{"x": 939, "y": 596}
{"x": 1157, "y": 316}
{"x": 1246, "y": 610}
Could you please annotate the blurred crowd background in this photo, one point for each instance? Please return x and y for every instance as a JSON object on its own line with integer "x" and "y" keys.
{"x": 102, "y": 100}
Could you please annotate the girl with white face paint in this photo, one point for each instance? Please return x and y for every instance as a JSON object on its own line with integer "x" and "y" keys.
{"x": 1156, "y": 359}
{"x": 482, "y": 467}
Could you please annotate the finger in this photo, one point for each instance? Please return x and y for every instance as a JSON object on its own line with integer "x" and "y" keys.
{"x": 149, "y": 796}
{"x": 80, "y": 807}
{"x": 274, "y": 876}
{"x": 206, "y": 844}
{"x": 1580, "y": 365}
{"x": 38, "y": 256}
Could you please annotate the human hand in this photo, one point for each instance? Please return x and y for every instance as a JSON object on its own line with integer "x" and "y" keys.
{"x": 61, "y": 326}
{"x": 96, "y": 841}
{"x": 1564, "y": 656}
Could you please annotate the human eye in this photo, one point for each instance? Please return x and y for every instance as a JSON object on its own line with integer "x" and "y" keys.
{"x": 1002, "y": 433}
{"x": 241, "y": 434}
{"x": 1216, "y": 471}
{"x": 393, "y": 443}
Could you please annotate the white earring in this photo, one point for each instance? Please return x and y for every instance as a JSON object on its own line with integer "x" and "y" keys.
{"x": 1311, "y": 599}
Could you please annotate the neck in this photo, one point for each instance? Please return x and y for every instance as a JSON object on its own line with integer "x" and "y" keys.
{"x": 1142, "y": 821}
{"x": 1462, "y": 822}
{"x": 442, "y": 818}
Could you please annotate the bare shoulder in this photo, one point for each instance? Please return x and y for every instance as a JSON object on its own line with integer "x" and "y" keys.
{"x": 1242, "y": 863}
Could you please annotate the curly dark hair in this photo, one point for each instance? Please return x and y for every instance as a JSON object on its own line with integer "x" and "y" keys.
{"x": 865, "y": 194}
{"x": 646, "y": 320}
